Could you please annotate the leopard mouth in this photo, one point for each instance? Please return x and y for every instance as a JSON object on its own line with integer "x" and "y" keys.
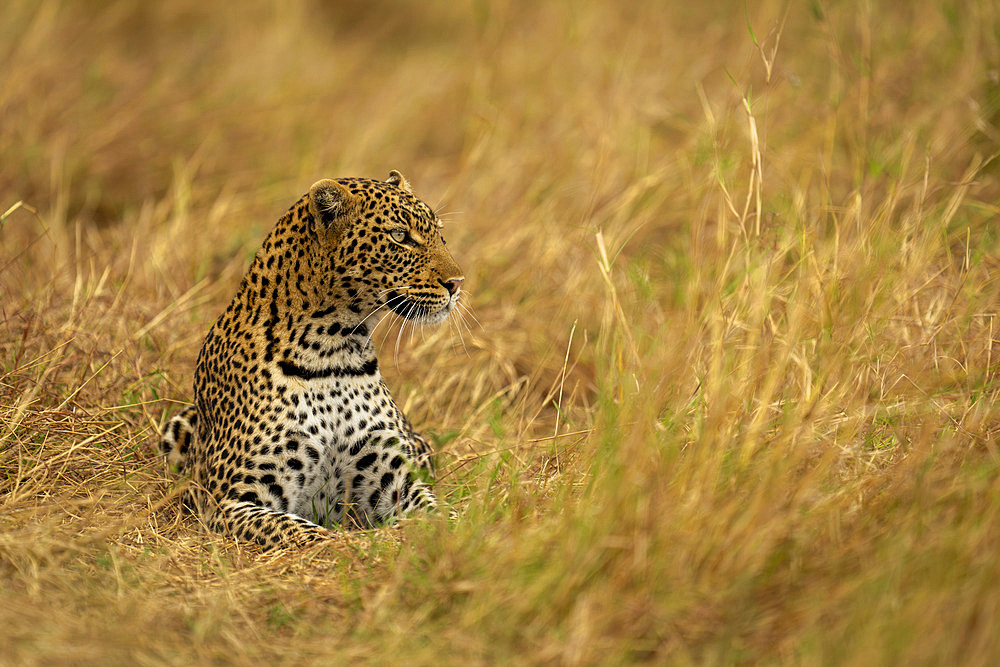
{"x": 415, "y": 311}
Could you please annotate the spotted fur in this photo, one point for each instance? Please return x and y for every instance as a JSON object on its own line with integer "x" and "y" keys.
{"x": 292, "y": 428}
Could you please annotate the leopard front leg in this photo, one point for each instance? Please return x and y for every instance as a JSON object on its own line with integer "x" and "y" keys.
{"x": 268, "y": 527}
{"x": 388, "y": 484}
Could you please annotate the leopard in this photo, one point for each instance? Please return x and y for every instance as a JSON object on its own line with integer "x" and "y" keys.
{"x": 293, "y": 433}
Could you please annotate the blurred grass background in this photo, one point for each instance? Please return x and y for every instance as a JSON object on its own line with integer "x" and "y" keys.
{"x": 732, "y": 392}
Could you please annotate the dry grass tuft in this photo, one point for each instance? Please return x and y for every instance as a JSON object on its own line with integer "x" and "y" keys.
{"x": 731, "y": 391}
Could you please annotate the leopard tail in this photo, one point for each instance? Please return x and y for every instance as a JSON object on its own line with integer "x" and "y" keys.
{"x": 178, "y": 437}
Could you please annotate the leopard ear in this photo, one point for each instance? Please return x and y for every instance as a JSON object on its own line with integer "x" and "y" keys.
{"x": 329, "y": 203}
{"x": 397, "y": 179}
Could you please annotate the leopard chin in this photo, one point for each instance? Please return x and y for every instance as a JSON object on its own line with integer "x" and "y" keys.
{"x": 439, "y": 316}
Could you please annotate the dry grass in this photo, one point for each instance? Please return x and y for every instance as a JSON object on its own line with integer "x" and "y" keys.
{"x": 732, "y": 396}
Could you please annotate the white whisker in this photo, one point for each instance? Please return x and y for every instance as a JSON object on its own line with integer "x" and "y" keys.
{"x": 380, "y": 321}
{"x": 458, "y": 327}
{"x": 392, "y": 289}
{"x": 375, "y": 310}
{"x": 468, "y": 310}
{"x": 399, "y": 335}
{"x": 395, "y": 318}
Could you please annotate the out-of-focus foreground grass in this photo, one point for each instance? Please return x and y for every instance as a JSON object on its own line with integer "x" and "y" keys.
{"x": 731, "y": 395}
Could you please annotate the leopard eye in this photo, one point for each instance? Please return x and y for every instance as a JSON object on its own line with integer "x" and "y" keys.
{"x": 398, "y": 235}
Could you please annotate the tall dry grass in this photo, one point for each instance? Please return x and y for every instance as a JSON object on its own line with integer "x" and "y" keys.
{"x": 731, "y": 395}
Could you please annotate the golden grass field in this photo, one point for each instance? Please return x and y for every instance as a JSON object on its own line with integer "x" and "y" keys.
{"x": 732, "y": 394}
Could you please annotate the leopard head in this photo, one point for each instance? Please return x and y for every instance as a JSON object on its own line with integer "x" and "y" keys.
{"x": 383, "y": 248}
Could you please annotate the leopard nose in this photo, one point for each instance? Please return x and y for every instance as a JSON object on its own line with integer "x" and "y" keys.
{"x": 452, "y": 284}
